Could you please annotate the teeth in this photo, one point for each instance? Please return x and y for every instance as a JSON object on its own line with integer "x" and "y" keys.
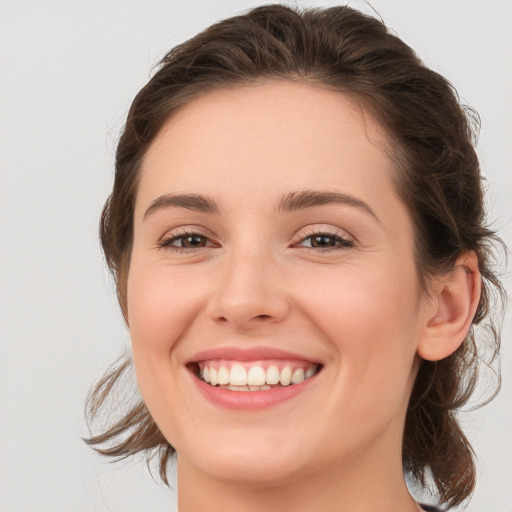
{"x": 223, "y": 376}
{"x": 272, "y": 375}
{"x": 237, "y": 378}
{"x": 286, "y": 376}
{"x": 247, "y": 388}
{"x": 297, "y": 376}
{"x": 238, "y": 375}
{"x": 256, "y": 376}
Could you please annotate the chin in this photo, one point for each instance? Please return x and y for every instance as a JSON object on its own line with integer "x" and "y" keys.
{"x": 249, "y": 463}
{"x": 243, "y": 472}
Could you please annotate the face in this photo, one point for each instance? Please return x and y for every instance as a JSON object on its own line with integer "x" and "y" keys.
{"x": 273, "y": 258}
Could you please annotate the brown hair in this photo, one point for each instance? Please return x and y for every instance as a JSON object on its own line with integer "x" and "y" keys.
{"x": 437, "y": 176}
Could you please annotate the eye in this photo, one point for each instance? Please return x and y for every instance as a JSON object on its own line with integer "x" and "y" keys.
{"x": 186, "y": 241}
{"x": 326, "y": 241}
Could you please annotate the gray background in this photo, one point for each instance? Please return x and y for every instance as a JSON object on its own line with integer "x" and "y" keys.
{"x": 68, "y": 71}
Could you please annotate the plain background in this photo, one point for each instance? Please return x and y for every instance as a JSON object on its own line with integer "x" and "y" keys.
{"x": 68, "y": 72}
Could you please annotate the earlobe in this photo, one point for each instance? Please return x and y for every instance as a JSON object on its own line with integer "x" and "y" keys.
{"x": 457, "y": 296}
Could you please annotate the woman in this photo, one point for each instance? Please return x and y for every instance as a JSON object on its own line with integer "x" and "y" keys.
{"x": 298, "y": 239}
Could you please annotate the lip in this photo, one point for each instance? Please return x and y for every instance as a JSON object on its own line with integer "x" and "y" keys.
{"x": 248, "y": 354}
{"x": 249, "y": 400}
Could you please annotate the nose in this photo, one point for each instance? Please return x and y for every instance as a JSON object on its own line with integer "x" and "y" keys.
{"x": 250, "y": 293}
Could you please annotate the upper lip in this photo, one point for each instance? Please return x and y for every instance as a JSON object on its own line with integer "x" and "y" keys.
{"x": 248, "y": 354}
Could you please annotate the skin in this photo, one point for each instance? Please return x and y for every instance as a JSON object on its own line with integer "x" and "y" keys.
{"x": 355, "y": 307}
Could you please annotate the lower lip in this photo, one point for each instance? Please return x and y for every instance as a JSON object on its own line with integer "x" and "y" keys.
{"x": 251, "y": 400}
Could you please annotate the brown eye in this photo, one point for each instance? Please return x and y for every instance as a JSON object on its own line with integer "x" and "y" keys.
{"x": 192, "y": 241}
{"x": 326, "y": 241}
{"x": 323, "y": 241}
{"x": 186, "y": 241}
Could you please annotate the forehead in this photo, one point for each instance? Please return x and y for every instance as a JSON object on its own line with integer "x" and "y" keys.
{"x": 265, "y": 138}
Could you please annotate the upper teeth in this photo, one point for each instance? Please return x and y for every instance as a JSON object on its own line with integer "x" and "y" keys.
{"x": 238, "y": 375}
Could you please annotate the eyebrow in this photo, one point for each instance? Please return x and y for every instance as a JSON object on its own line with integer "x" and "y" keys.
{"x": 291, "y": 202}
{"x": 193, "y": 202}
{"x": 309, "y": 198}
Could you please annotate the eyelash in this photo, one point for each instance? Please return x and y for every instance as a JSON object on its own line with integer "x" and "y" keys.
{"x": 166, "y": 243}
{"x": 342, "y": 242}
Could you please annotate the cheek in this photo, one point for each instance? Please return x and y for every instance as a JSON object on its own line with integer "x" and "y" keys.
{"x": 159, "y": 308}
{"x": 371, "y": 318}
{"x": 160, "y": 311}
{"x": 358, "y": 300}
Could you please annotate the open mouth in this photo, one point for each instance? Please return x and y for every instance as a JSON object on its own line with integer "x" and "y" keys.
{"x": 261, "y": 375}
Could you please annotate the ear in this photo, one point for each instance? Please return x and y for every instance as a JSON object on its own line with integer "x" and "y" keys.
{"x": 456, "y": 295}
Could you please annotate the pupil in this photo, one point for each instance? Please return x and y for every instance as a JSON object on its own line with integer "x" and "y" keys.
{"x": 323, "y": 241}
{"x": 193, "y": 241}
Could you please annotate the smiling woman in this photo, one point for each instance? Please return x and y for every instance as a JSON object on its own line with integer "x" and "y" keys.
{"x": 299, "y": 244}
